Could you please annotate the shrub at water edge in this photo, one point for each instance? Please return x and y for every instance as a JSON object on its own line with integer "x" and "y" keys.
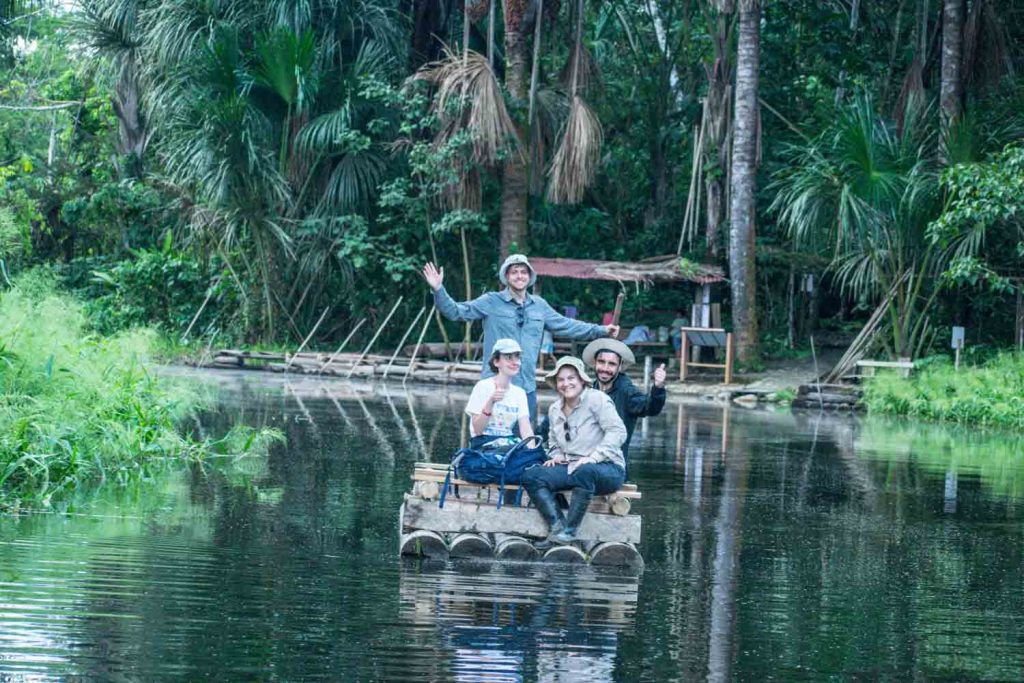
{"x": 988, "y": 394}
{"x": 79, "y": 408}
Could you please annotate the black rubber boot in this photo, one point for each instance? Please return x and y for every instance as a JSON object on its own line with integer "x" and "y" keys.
{"x": 577, "y": 508}
{"x": 544, "y": 500}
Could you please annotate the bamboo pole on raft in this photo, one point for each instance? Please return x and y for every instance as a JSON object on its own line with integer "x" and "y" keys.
{"x": 410, "y": 369}
{"x": 372, "y": 341}
{"x": 306, "y": 340}
{"x": 342, "y": 347}
{"x": 405, "y": 336}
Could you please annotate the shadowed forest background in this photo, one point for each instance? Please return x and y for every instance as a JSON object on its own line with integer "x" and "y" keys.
{"x": 260, "y": 162}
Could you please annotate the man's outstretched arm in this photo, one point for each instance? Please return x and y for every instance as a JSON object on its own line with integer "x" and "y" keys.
{"x": 449, "y": 308}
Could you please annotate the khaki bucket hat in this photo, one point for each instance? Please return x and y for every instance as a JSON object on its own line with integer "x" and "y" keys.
{"x": 608, "y": 344}
{"x": 516, "y": 260}
{"x": 574, "y": 362}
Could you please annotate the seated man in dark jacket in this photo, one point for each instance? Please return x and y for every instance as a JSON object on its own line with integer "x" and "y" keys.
{"x": 609, "y": 358}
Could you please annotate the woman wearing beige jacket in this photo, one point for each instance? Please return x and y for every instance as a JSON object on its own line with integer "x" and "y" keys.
{"x": 584, "y": 448}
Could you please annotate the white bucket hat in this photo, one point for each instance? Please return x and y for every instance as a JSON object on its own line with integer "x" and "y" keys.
{"x": 516, "y": 259}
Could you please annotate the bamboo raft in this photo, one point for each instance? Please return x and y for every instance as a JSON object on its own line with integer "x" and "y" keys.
{"x": 471, "y": 526}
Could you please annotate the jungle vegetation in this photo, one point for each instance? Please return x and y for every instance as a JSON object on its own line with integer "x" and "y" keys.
{"x": 261, "y": 162}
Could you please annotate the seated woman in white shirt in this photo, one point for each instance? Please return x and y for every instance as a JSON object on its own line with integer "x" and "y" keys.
{"x": 496, "y": 406}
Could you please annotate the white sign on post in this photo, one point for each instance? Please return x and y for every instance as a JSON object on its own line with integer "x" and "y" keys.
{"x": 957, "y": 341}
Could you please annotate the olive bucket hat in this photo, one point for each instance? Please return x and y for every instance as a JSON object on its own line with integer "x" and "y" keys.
{"x": 515, "y": 260}
{"x": 573, "y": 362}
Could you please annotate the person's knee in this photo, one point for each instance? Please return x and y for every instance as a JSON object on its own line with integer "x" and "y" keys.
{"x": 598, "y": 478}
{"x": 532, "y": 478}
{"x": 586, "y": 476}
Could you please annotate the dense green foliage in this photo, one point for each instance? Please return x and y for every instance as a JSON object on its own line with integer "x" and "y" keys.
{"x": 296, "y": 166}
{"x": 80, "y": 408}
{"x": 991, "y": 393}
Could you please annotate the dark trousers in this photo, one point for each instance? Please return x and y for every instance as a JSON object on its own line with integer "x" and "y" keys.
{"x": 596, "y": 478}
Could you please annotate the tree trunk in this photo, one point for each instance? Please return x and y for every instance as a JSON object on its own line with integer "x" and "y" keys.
{"x": 515, "y": 185}
{"x": 952, "y": 58}
{"x": 717, "y": 111}
{"x": 744, "y": 182}
{"x": 133, "y": 136}
{"x": 429, "y": 29}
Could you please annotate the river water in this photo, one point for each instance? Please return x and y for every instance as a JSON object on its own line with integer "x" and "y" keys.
{"x": 777, "y": 547}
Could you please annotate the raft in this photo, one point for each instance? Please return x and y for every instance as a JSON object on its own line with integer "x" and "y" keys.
{"x": 470, "y": 525}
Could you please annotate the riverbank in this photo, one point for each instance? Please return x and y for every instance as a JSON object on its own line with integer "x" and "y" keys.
{"x": 990, "y": 394}
{"x": 80, "y": 409}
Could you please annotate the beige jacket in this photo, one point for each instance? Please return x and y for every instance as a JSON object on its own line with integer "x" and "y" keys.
{"x": 595, "y": 430}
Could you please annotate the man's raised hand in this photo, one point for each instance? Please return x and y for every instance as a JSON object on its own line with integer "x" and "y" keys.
{"x": 612, "y": 331}
{"x": 433, "y": 276}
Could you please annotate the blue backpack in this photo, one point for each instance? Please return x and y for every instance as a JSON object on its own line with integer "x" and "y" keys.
{"x": 482, "y": 465}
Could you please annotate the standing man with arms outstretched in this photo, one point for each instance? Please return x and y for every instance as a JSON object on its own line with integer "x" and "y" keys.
{"x": 513, "y": 313}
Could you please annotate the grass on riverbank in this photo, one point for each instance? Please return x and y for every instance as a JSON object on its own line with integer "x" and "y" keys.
{"x": 79, "y": 408}
{"x": 988, "y": 394}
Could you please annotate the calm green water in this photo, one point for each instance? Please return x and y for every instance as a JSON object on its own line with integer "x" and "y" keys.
{"x": 777, "y": 547}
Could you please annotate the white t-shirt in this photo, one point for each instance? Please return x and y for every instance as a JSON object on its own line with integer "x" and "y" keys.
{"x": 504, "y": 414}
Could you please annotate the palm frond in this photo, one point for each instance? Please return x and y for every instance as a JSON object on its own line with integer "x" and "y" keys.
{"x": 575, "y": 163}
{"x": 352, "y": 182}
{"x": 469, "y": 97}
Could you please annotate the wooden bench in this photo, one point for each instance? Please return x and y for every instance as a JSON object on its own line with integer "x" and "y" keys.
{"x": 903, "y": 366}
{"x": 428, "y": 478}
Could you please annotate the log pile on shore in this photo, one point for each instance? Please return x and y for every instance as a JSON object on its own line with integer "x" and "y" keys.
{"x": 828, "y": 397}
{"x": 350, "y": 365}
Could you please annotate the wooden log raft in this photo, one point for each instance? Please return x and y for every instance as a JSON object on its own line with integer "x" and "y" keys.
{"x": 471, "y": 525}
{"x": 469, "y": 517}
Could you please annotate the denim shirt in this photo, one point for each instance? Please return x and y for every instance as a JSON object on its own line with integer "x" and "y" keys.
{"x": 504, "y": 318}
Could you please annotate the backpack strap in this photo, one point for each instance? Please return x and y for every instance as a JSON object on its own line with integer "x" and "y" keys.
{"x": 444, "y": 488}
{"x": 448, "y": 479}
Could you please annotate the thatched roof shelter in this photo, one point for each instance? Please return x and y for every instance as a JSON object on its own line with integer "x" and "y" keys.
{"x": 669, "y": 268}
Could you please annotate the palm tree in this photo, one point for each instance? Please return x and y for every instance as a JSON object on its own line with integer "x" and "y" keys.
{"x": 265, "y": 135}
{"x": 744, "y": 183}
{"x": 111, "y": 28}
{"x": 865, "y": 193}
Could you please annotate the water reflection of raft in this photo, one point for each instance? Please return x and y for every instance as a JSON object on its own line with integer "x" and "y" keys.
{"x": 470, "y": 525}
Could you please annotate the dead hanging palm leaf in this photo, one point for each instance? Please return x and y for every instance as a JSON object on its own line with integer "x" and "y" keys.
{"x": 588, "y": 73}
{"x": 465, "y": 192}
{"x": 912, "y": 93}
{"x": 986, "y": 57}
{"x": 552, "y": 110}
{"x": 575, "y": 163}
{"x": 469, "y": 97}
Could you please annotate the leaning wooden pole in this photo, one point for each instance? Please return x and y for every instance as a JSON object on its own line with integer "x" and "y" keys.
{"x": 194, "y": 318}
{"x": 412, "y": 361}
{"x": 342, "y": 347}
{"x": 398, "y": 349}
{"x": 306, "y": 340}
{"x": 372, "y": 341}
